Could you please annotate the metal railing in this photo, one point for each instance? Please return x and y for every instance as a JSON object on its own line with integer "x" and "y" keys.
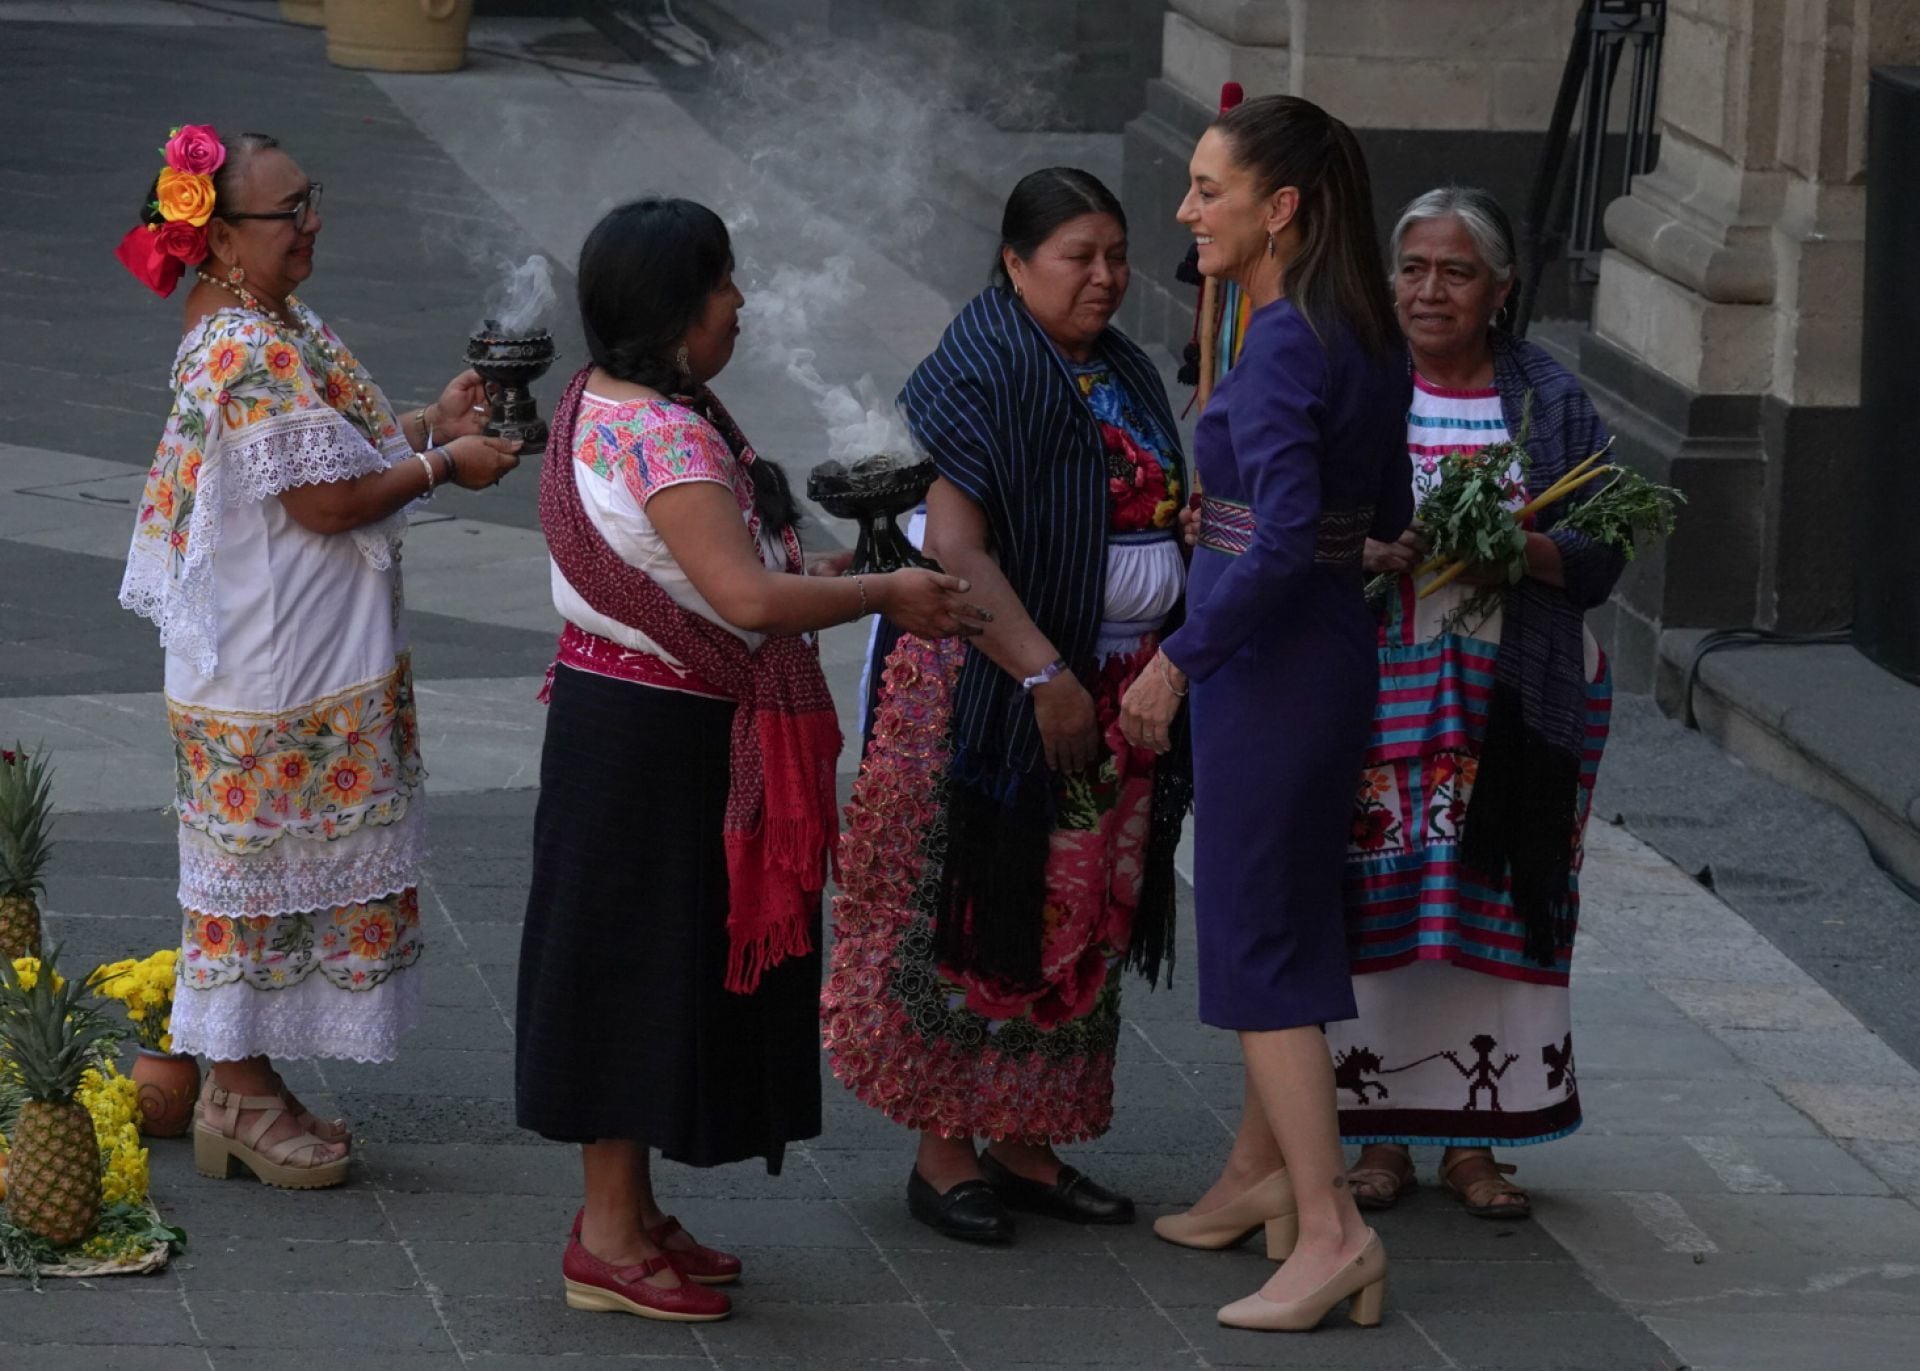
{"x": 1569, "y": 196}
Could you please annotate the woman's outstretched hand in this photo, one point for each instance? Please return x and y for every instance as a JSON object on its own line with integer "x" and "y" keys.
{"x": 479, "y": 462}
{"x": 461, "y": 408}
{"x": 1148, "y": 708}
{"x": 928, "y": 604}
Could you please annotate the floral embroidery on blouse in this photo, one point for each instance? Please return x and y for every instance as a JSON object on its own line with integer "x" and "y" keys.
{"x": 240, "y": 377}
{"x": 320, "y": 771}
{"x": 1148, "y": 496}
{"x": 650, "y": 445}
{"x": 355, "y": 947}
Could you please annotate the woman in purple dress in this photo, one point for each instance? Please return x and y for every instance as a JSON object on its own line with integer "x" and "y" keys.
{"x": 1303, "y": 457}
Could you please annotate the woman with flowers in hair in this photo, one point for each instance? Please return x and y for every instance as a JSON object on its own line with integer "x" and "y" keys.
{"x": 266, "y": 551}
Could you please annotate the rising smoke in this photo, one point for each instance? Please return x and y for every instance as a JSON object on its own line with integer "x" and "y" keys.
{"x": 871, "y": 133}
{"x": 524, "y": 298}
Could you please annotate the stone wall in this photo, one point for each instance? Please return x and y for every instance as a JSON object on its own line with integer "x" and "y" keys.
{"x": 1437, "y": 90}
{"x": 1726, "y": 327}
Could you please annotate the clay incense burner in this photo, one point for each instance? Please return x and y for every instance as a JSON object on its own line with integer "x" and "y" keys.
{"x": 873, "y": 492}
{"x": 508, "y": 363}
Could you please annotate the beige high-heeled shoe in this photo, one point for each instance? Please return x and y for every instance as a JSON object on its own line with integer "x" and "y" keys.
{"x": 1268, "y": 1202}
{"x": 1362, "y": 1280}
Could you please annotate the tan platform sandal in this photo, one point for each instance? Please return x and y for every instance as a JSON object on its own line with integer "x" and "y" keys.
{"x": 327, "y": 1130}
{"x": 219, "y": 1141}
{"x": 1488, "y": 1194}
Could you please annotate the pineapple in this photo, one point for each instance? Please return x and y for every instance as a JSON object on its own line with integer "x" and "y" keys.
{"x": 49, "y": 1035}
{"x": 25, "y": 802}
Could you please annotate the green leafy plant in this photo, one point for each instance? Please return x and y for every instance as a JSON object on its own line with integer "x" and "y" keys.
{"x": 125, "y": 1230}
{"x": 1627, "y": 508}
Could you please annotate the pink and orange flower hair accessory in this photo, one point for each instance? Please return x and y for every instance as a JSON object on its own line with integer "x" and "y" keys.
{"x": 158, "y": 254}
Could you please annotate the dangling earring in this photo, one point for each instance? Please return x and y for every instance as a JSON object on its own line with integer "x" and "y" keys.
{"x": 236, "y": 274}
{"x": 680, "y": 365}
{"x": 1269, "y": 244}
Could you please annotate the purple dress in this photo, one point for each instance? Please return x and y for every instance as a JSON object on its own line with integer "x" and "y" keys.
{"x": 1302, "y": 453}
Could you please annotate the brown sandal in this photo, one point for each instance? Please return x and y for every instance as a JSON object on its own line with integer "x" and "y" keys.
{"x": 1380, "y": 1187}
{"x": 219, "y": 1141}
{"x": 1488, "y": 1195}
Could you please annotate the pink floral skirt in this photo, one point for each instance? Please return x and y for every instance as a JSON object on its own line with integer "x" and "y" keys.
{"x": 935, "y": 1048}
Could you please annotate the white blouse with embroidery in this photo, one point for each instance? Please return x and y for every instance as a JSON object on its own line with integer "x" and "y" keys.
{"x": 298, "y": 779}
{"x": 625, "y": 452}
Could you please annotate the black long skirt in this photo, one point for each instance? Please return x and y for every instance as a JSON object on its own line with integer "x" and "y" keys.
{"x": 624, "y": 1026}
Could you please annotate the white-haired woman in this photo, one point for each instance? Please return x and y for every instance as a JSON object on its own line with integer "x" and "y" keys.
{"x": 1466, "y": 844}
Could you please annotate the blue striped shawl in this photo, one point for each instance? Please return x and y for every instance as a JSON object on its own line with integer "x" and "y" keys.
{"x": 997, "y": 408}
{"x": 1521, "y": 818}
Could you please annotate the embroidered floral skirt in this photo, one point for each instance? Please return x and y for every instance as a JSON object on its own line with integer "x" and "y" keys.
{"x": 1461, "y": 1039}
{"x": 302, "y": 832}
{"x": 933, "y": 1048}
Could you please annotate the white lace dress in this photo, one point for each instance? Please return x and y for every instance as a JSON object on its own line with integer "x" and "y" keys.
{"x": 298, "y": 781}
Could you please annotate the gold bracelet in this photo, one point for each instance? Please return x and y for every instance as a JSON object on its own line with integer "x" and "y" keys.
{"x": 860, "y": 584}
{"x": 1166, "y": 674}
{"x": 422, "y": 457}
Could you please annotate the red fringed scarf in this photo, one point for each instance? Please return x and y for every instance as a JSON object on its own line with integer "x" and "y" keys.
{"x": 780, "y": 825}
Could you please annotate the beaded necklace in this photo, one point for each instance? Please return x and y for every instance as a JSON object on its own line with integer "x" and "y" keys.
{"x": 363, "y": 406}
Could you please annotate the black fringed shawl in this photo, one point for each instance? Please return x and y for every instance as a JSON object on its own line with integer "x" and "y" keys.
{"x": 1525, "y": 804}
{"x": 1001, "y": 415}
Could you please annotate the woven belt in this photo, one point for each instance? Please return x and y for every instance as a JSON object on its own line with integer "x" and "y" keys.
{"x": 1227, "y": 526}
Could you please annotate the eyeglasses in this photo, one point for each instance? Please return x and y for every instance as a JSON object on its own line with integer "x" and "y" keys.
{"x": 301, "y": 214}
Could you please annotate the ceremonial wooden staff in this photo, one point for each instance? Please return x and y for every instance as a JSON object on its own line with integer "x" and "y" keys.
{"x": 1231, "y": 94}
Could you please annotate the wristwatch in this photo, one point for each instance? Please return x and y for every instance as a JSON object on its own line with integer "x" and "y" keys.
{"x": 1042, "y": 676}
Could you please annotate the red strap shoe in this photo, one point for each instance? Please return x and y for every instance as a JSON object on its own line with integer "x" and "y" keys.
{"x": 707, "y": 1265}
{"x": 600, "y": 1286}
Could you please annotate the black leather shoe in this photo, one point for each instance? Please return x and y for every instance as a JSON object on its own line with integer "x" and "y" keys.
{"x": 1073, "y": 1197}
{"x": 970, "y": 1211}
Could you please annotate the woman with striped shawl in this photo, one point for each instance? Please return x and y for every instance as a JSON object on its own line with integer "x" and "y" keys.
{"x": 1005, "y": 852}
{"x": 1463, "y": 870}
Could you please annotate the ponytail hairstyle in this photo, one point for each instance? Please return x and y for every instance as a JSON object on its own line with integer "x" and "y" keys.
{"x": 226, "y": 179}
{"x": 646, "y": 271}
{"x": 1335, "y": 277}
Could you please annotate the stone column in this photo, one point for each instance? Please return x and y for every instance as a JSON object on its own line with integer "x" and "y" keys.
{"x": 1726, "y": 325}
{"x": 1437, "y": 90}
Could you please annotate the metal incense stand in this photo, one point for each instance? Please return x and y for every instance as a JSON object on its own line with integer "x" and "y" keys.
{"x": 874, "y": 492}
{"x": 509, "y": 363}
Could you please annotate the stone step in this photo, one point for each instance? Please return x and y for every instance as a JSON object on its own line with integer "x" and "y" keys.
{"x": 1819, "y": 717}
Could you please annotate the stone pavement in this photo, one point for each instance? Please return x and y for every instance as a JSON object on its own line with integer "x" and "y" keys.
{"x": 1742, "y": 1195}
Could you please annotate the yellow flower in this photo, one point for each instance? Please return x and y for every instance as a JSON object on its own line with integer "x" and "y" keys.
{"x": 28, "y": 970}
{"x": 288, "y": 770}
{"x": 236, "y": 795}
{"x": 282, "y": 361}
{"x": 346, "y": 781}
{"x": 223, "y": 364}
{"x": 185, "y": 195}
